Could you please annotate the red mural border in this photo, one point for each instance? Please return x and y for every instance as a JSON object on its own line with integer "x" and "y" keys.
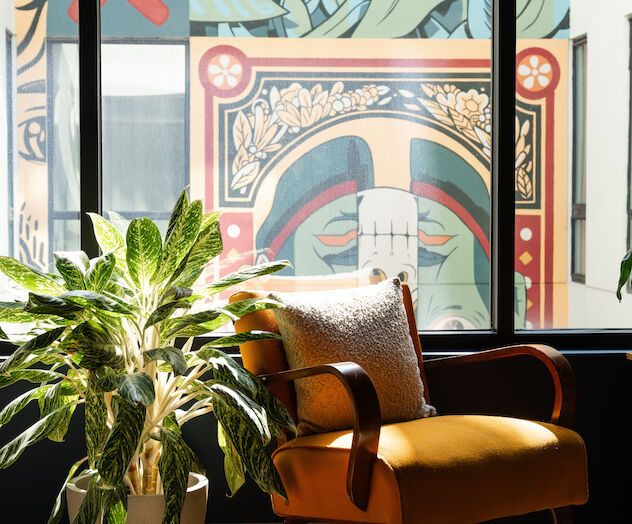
{"x": 549, "y": 166}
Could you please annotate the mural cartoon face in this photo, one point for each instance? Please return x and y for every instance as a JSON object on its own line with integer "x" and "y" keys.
{"x": 421, "y": 229}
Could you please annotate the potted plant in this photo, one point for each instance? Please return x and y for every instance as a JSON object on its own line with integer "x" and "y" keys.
{"x": 103, "y": 335}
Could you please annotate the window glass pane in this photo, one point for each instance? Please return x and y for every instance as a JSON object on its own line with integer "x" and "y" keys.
{"x": 579, "y": 121}
{"x": 579, "y": 247}
{"x": 145, "y": 163}
{"x": 574, "y": 150}
{"x": 357, "y": 159}
{"x": 64, "y": 161}
{"x": 38, "y": 174}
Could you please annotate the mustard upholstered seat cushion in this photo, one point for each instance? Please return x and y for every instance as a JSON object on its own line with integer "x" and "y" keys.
{"x": 447, "y": 469}
{"x": 367, "y": 325}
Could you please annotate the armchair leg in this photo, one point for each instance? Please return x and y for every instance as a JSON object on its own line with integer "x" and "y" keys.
{"x": 562, "y": 515}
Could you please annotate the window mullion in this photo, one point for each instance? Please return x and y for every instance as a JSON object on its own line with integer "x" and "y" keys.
{"x": 90, "y": 120}
{"x": 502, "y": 186}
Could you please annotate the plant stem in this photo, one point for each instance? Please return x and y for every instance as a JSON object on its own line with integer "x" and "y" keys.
{"x": 195, "y": 414}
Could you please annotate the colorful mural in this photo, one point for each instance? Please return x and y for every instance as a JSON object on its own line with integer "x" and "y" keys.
{"x": 366, "y": 166}
{"x": 355, "y": 153}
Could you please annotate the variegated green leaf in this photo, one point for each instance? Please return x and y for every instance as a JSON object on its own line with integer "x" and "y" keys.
{"x": 39, "y": 342}
{"x": 241, "y": 338}
{"x": 60, "y": 502}
{"x": 96, "y": 415}
{"x": 174, "y": 471}
{"x": 208, "y": 218}
{"x": 38, "y": 431}
{"x": 207, "y": 246}
{"x": 19, "y": 403}
{"x": 179, "y": 208}
{"x": 144, "y": 246}
{"x": 110, "y": 240}
{"x": 28, "y": 278}
{"x": 99, "y": 272}
{"x": 99, "y": 301}
{"x": 72, "y": 266}
{"x": 91, "y": 505}
{"x": 226, "y": 370}
{"x": 58, "y": 396}
{"x": 31, "y": 375}
{"x": 3, "y": 335}
{"x": 115, "y": 505}
{"x": 624, "y": 273}
{"x": 243, "y": 275}
{"x": 195, "y": 330}
{"x": 202, "y": 317}
{"x": 213, "y": 318}
{"x": 13, "y": 313}
{"x": 170, "y": 354}
{"x": 233, "y": 467}
{"x": 48, "y": 305}
{"x": 106, "y": 379}
{"x": 176, "y": 293}
{"x": 122, "y": 441}
{"x": 165, "y": 311}
{"x": 180, "y": 241}
{"x": 275, "y": 410}
{"x": 225, "y": 366}
{"x": 251, "y": 449}
{"x": 137, "y": 387}
{"x": 250, "y": 305}
{"x": 93, "y": 341}
{"x": 242, "y": 407}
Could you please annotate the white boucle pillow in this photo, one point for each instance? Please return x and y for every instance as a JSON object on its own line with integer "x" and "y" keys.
{"x": 366, "y": 325}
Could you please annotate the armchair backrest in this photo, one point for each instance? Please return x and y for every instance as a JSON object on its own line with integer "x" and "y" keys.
{"x": 267, "y": 356}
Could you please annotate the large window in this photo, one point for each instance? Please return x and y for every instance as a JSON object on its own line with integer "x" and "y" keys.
{"x": 364, "y": 150}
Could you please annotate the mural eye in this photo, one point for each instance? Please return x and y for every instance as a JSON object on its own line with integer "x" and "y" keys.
{"x": 32, "y": 138}
{"x": 433, "y": 240}
{"x": 338, "y": 240}
{"x": 453, "y": 323}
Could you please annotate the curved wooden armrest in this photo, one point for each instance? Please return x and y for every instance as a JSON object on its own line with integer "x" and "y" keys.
{"x": 366, "y": 421}
{"x": 559, "y": 368}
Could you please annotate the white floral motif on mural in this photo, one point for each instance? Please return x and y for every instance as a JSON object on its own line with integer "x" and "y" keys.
{"x": 257, "y": 133}
{"x": 469, "y": 113}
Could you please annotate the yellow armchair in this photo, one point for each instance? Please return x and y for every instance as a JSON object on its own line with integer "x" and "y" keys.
{"x": 444, "y": 469}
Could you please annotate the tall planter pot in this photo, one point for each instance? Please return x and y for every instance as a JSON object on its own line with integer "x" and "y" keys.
{"x": 148, "y": 509}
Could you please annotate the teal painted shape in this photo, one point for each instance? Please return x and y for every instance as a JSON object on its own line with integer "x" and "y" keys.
{"x": 119, "y": 18}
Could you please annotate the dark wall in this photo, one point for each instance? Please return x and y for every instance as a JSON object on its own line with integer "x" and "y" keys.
{"x": 518, "y": 388}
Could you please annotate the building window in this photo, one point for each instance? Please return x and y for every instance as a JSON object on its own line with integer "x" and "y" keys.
{"x": 10, "y": 86}
{"x": 578, "y": 209}
{"x": 145, "y": 137}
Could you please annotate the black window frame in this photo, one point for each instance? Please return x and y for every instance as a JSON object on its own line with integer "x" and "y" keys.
{"x": 503, "y": 331}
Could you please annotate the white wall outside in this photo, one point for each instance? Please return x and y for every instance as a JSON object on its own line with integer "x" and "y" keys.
{"x": 606, "y": 26}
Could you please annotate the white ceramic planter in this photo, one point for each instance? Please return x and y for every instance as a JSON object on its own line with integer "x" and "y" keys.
{"x": 148, "y": 509}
